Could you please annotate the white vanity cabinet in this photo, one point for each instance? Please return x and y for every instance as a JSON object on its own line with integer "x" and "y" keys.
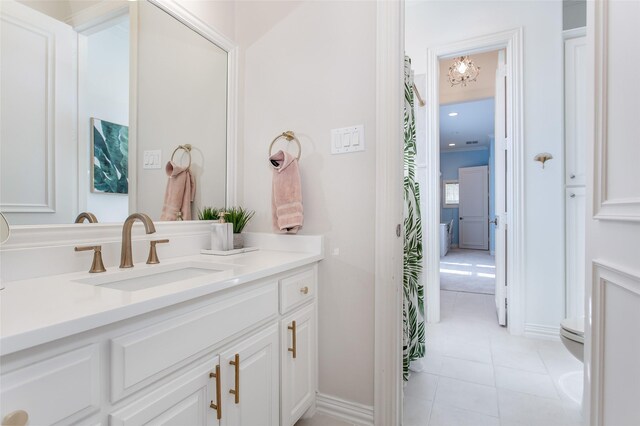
{"x": 298, "y": 345}
{"x": 298, "y": 351}
{"x": 221, "y": 359}
{"x": 183, "y": 401}
{"x": 250, "y": 380}
{"x": 61, "y": 389}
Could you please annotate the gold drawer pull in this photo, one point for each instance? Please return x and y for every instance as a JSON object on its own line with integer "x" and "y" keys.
{"x": 218, "y": 405}
{"x": 304, "y": 290}
{"x": 292, "y": 327}
{"x": 16, "y": 418}
{"x": 236, "y": 391}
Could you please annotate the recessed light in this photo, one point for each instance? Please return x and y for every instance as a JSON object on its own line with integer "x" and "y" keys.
{"x": 452, "y": 144}
{"x": 453, "y": 114}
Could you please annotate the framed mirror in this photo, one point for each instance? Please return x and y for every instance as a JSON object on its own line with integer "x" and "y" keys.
{"x": 97, "y": 98}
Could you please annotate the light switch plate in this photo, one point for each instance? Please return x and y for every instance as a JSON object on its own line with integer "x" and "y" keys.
{"x": 152, "y": 159}
{"x": 347, "y": 139}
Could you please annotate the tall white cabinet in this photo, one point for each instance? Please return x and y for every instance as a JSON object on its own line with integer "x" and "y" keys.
{"x": 575, "y": 92}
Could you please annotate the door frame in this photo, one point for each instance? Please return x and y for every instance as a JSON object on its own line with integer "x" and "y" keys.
{"x": 511, "y": 41}
{"x": 387, "y": 408}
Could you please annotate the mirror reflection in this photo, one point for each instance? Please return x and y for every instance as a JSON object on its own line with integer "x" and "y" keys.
{"x": 99, "y": 110}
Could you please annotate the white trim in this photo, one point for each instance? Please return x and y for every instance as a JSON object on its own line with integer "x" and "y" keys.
{"x": 39, "y": 236}
{"x": 89, "y": 19}
{"x": 603, "y": 273}
{"x": 175, "y": 9}
{"x": 344, "y": 410}
{"x": 539, "y": 331}
{"x": 133, "y": 107}
{"x": 389, "y": 212}
{"x": 511, "y": 41}
{"x": 574, "y": 33}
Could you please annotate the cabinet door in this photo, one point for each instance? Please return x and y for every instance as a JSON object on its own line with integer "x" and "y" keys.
{"x": 575, "y": 92}
{"x": 59, "y": 389}
{"x": 250, "y": 381}
{"x": 184, "y": 401}
{"x": 298, "y": 349}
{"x": 575, "y": 246}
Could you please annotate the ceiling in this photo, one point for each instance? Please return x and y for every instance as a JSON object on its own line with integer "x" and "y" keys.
{"x": 474, "y": 122}
{"x": 484, "y": 87}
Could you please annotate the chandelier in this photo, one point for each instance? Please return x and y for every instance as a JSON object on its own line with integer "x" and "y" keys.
{"x": 462, "y": 71}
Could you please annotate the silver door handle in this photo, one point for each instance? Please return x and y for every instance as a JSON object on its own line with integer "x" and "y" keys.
{"x": 494, "y": 221}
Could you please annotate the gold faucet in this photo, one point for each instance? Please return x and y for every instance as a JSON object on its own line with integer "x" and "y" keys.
{"x": 91, "y": 218}
{"x": 126, "y": 257}
{"x": 96, "y": 265}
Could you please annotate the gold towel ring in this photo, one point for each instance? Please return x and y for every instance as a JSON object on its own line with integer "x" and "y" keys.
{"x": 290, "y": 136}
{"x": 187, "y": 148}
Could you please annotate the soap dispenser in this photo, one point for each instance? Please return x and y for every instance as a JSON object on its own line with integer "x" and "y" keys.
{"x": 221, "y": 234}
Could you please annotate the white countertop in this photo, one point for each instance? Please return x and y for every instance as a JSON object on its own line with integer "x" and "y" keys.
{"x": 40, "y": 310}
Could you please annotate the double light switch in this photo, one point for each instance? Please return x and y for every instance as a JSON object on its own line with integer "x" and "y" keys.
{"x": 347, "y": 139}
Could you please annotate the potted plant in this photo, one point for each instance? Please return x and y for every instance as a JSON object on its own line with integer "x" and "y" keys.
{"x": 209, "y": 213}
{"x": 239, "y": 217}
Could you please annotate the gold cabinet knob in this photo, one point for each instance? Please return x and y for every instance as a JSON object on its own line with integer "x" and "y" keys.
{"x": 16, "y": 418}
{"x": 304, "y": 290}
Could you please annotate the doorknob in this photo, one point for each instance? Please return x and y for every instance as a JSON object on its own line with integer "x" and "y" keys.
{"x": 494, "y": 221}
{"x": 461, "y": 218}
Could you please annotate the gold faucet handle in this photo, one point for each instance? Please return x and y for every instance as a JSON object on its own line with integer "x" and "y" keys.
{"x": 153, "y": 254}
{"x": 96, "y": 265}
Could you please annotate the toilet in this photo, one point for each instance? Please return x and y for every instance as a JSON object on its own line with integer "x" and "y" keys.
{"x": 572, "y": 336}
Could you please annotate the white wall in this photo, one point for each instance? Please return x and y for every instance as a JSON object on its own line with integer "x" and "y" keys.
{"x": 104, "y": 94}
{"x": 182, "y": 99}
{"x": 435, "y": 23}
{"x": 218, "y": 14}
{"x": 310, "y": 67}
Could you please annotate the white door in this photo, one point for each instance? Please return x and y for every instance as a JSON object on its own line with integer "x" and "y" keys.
{"x": 38, "y": 114}
{"x": 474, "y": 207}
{"x": 184, "y": 401}
{"x": 298, "y": 364}
{"x": 575, "y": 214}
{"x": 501, "y": 133}
{"x": 250, "y": 380}
{"x": 612, "y": 347}
{"x": 575, "y": 110}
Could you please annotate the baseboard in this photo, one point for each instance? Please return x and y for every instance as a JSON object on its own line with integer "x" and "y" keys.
{"x": 538, "y": 331}
{"x": 348, "y": 411}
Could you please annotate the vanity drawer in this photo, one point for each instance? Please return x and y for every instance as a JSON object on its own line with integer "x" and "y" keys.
{"x": 60, "y": 389}
{"x": 146, "y": 355}
{"x": 297, "y": 289}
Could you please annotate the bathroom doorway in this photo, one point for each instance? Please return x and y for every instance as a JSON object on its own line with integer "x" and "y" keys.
{"x": 473, "y": 192}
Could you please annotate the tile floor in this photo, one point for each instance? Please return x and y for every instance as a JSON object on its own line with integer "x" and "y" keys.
{"x": 476, "y": 373}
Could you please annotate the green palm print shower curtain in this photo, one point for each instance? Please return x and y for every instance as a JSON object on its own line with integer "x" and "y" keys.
{"x": 413, "y": 306}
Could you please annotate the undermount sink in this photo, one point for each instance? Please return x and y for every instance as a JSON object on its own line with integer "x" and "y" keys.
{"x": 140, "y": 279}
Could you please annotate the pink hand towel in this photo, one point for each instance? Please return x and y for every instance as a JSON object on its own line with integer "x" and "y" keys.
{"x": 181, "y": 188}
{"x": 286, "y": 198}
